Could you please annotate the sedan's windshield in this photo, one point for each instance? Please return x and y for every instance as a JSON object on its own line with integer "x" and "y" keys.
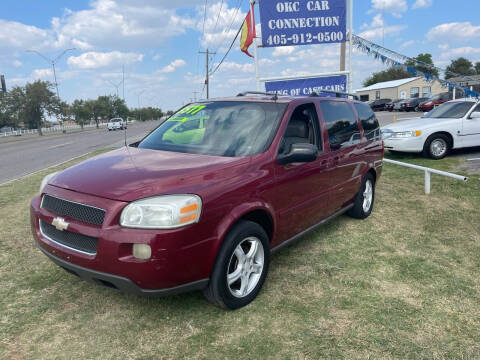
{"x": 455, "y": 110}
{"x": 224, "y": 128}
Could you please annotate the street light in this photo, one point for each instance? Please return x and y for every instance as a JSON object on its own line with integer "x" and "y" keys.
{"x": 53, "y": 62}
{"x": 139, "y": 111}
{"x": 115, "y": 85}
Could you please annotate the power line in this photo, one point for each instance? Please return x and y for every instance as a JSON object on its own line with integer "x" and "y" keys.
{"x": 230, "y": 48}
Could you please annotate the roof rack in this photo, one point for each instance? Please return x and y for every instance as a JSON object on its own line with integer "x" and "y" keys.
{"x": 245, "y": 93}
{"x": 337, "y": 93}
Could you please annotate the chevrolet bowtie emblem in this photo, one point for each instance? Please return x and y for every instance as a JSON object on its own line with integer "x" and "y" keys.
{"x": 60, "y": 223}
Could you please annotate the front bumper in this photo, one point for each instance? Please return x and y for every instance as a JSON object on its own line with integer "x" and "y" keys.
{"x": 181, "y": 258}
{"x": 413, "y": 144}
{"x": 121, "y": 283}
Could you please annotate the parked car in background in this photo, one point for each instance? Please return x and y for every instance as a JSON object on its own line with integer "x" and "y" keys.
{"x": 434, "y": 101}
{"x": 380, "y": 104}
{"x": 452, "y": 125}
{"x": 116, "y": 124}
{"x": 398, "y": 106}
{"x": 391, "y": 104}
{"x": 204, "y": 213}
{"x": 412, "y": 104}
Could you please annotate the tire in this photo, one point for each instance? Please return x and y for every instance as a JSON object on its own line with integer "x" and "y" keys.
{"x": 364, "y": 200}
{"x": 250, "y": 276}
{"x": 437, "y": 146}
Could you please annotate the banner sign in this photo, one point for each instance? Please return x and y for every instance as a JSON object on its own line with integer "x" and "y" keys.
{"x": 304, "y": 87}
{"x": 302, "y": 22}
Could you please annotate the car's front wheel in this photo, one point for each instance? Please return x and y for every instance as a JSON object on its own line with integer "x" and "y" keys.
{"x": 363, "y": 203}
{"x": 241, "y": 266}
{"x": 437, "y": 146}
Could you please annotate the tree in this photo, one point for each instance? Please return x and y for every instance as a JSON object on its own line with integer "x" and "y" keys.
{"x": 460, "y": 66}
{"x": 423, "y": 63}
{"x": 394, "y": 73}
{"x": 81, "y": 111}
{"x": 477, "y": 67}
{"x": 33, "y": 102}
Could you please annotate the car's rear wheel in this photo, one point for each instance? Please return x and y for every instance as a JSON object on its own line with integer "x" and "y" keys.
{"x": 363, "y": 203}
{"x": 437, "y": 146}
{"x": 241, "y": 266}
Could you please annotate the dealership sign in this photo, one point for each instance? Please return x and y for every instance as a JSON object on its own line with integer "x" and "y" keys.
{"x": 302, "y": 22}
{"x": 304, "y": 87}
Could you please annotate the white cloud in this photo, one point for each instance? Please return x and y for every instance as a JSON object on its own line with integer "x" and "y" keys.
{"x": 156, "y": 57}
{"x": 95, "y": 60}
{"x": 378, "y": 28}
{"x": 220, "y": 26}
{"x": 407, "y": 44}
{"x": 283, "y": 51}
{"x": 454, "y": 32}
{"x": 44, "y": 74}
{"x": 17, "y": 63}
{"x": 422, "y": 4}
{"x": 466, "y": 51}
{"x": 18, "y": 37}
{"x": 173, "y": 66}
{"x": 124, "y": 24}
{"x": 395, "y": 7}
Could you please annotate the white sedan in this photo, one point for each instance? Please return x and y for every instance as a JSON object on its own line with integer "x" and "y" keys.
{"x": 452, "y": 125}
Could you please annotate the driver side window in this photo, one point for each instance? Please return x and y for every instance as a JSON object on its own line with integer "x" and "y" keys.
{"x": 302, "y": 128}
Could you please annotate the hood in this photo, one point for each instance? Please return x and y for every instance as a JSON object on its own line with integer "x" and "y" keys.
{"x": 129, "y": 174}
{"x": 415, "y": 124}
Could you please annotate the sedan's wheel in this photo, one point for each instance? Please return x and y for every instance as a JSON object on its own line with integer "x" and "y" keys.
{"x": 363, "y": 202}
{"x": 241, "y": 266}
{"x": 437, "y": 146}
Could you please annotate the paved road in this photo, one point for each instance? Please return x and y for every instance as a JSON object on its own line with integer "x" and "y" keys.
{"x": 25, "y": 156}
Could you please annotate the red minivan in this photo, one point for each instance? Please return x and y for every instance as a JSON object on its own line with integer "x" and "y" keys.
{"x": 201, "y": 206}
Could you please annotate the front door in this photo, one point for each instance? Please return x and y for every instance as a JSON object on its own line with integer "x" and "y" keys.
{"x": 301, "y": 194}
{"x": 471, "y": 130}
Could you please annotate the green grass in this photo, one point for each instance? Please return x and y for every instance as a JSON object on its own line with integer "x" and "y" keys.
{"x": 403, "y": 284}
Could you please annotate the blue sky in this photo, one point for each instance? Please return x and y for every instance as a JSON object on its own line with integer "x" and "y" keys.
{"x": 158, "y": 41}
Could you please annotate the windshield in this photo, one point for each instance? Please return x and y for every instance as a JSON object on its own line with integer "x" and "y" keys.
{"x": 223, "y": 128}
{"x": 455, "y": 110}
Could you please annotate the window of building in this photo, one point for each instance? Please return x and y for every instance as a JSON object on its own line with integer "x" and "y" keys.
{"x": 377, "y": 94}
{"x": 414, "y": 92}
{"x": 364, "y": 97}
{"x": 426, "y": 90}
{"x": 369, "y": 121}
{"x": 341, "y": 124}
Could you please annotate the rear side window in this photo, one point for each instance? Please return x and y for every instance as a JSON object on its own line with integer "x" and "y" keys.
{"x": 369, "y": 121}
{"x": 341, "y": 124}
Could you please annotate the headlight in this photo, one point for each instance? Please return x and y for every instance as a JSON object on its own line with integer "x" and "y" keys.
{"x": 162, "y": 212}
{"x": 406, "y": 134}
{"x": 46, "y": 179}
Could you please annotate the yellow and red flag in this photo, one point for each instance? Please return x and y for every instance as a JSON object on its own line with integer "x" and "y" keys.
{"x": 248, "y": 31}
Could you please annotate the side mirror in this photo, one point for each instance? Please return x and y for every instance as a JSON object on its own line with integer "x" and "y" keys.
{"x": 299, "y": 153}
{"x": 475, "y": 115}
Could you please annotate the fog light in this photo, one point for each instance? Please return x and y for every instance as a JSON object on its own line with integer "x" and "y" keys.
{"x": 142, "y": 251}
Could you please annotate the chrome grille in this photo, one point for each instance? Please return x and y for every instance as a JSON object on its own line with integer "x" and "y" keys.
{"x": 73, "y": 210}
{"x": 75, "y": 241}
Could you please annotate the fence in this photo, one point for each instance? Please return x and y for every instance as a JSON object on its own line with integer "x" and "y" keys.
{"x": 428, "y": 172}
{"x": 52, "y": 129}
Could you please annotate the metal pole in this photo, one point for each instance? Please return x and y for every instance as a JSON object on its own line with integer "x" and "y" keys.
{"x": 343, "y": 48}
{"x": 350, "y": 36}
{"x": 206, "y": 79}
{"x": 427, "y": 182}
{"x": 123, "y": 81}
{"x": 255, "y": 54}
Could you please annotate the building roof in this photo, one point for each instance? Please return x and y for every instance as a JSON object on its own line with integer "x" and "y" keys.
{"x": 387, "y": 84}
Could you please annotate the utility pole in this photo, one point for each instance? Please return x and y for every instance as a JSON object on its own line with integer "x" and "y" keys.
{"x": 123, "y": 81}
{"x": 207, "y": 83}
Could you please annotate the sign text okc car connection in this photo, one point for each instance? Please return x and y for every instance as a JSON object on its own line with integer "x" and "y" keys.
{"x": 302, "y": 22}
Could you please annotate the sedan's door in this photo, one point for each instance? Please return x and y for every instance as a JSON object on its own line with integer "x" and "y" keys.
{"x": 471, "y": 130}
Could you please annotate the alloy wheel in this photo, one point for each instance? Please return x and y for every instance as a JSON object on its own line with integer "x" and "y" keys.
{"x": 367, "y": 196}
{"x": 245, "y": 267}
